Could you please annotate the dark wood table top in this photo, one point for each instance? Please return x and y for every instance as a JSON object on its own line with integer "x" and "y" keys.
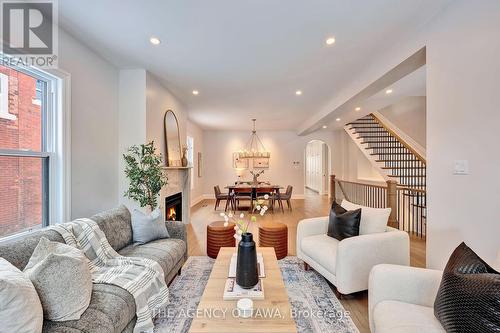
{"x": 243, "y": 186}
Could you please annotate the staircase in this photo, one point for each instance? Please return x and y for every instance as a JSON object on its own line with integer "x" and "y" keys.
{"x": 398, "y": 162}
{"x": 395, "y": 158}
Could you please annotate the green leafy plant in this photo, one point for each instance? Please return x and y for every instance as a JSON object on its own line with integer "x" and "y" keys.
{"x": 143, "y": 169}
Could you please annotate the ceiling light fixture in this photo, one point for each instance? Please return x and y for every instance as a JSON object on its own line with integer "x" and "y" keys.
{"x": 195, "y": 92}
{"x": 324, "y": 126}
{"x": 330, "y": 41}
{"x": 155, "y": 40}
{"x": 298, "y": 92}
{"x": 358, "y": 108}
{"x": 338, "y": 119}
{"x": 388, "y": 91}
{"x": 254, "y": 147}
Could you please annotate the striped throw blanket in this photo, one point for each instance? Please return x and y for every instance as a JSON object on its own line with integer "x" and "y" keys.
{"x": 143, "y": 278}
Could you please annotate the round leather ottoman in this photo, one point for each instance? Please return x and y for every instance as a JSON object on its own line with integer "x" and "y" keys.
{"x": 274, "y": 235}
{"x": 219, "y": 236}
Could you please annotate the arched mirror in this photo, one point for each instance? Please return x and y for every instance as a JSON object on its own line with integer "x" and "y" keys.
{"x": 172, "y": 139}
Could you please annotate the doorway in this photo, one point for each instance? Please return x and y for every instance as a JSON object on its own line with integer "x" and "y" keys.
{"x": 317, "y": 167}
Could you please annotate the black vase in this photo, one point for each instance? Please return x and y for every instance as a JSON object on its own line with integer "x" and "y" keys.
{"x": 247, "y": 275}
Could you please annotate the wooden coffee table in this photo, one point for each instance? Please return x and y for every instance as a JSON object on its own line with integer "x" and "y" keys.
{"x": 275, "y": 302}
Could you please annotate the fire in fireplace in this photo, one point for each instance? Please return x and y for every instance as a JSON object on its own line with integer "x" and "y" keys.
{"x": 173, "y": 207}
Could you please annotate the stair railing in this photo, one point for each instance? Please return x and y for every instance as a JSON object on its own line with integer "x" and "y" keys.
{"x": 408, "y": 204}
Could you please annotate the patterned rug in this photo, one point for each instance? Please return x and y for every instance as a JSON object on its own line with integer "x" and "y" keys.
{"x": 314, "y": 305}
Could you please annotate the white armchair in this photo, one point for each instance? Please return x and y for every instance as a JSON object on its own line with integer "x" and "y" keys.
{"x": 347, "y": 264}
{"x": 401, "y": 299}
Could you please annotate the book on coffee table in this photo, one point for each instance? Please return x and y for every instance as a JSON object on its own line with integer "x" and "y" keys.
{"x": 260, "y": 266}
{"x": 232, "y": 291}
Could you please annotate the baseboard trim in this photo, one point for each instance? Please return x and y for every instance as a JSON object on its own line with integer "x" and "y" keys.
{"x": 197, "y": 200}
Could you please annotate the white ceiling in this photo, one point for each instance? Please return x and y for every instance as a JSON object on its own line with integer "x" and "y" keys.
{"x": 413, "y": 84}
{"x": 247, "y": 58}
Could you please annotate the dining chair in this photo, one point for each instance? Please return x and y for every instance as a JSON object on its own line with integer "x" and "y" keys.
{"x": 261, "y": 192}
{"x": 242, "y": 194}
{"x": 288, "y": 196}
{"x": 220, "y": 196}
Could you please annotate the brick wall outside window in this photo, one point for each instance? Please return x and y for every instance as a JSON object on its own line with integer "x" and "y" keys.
{"x": 20, "y": 177}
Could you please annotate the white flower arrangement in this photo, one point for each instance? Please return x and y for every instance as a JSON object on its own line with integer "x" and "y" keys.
{"x": 242, "y": 226}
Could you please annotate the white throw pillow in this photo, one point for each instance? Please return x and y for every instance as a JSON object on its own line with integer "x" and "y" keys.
{"x": 62, "y": 279}
{"x": 20, "y": 308}
{"x": 373, "y": 220}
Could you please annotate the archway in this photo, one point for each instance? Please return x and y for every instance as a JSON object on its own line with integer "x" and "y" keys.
{"x": 317, "y": 167}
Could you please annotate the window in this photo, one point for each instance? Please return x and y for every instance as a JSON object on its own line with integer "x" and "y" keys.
{"x": 26, "y": 154}
{"x": 190, "y": 158}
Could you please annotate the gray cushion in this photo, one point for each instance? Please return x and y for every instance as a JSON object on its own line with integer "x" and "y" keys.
{"x": 166, "y": 252}
{"x": 116, "y": 225}
{"x": 147, "y": 228}
{"x": 18, "y": 250}
{"x": 111, "y": 309}
{"x": 62, "y": 279}
{"x": 20, "y": 307}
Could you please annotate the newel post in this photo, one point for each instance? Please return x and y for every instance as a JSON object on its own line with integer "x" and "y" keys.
{"x": 392, "y": 193}
{"x": 332, "y": 187}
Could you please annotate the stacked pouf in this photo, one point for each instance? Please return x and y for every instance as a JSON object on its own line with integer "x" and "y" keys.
{"x": 274, "y": 235}
{"x": 219, "y": 236}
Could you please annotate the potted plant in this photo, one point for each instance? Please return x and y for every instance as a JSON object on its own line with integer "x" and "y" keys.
{"x": 247, "y": 274}
{"x": 143, "y": 169}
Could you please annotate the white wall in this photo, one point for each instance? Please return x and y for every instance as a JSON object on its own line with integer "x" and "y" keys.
{"x": 158, "y": 101}
{"x": 197, "y": 134}
{"x": 94, "y": 127}
{"x": 463, "y": 80}
{"x": 285, "y": 147}
{"x": 131, "y": 121}
{"x": 409, "y": 115}
{"x": 350, "y": 164}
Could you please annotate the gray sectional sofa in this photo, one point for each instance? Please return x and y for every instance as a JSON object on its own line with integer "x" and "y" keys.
{"x": 111, "y": 309}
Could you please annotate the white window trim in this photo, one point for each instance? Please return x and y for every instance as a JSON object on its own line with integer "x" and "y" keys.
{"x": 4, "y": 98}
{"x": 60, "y": 127}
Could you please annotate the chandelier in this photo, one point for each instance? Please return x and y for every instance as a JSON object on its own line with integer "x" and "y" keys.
{"x": 254, "y": 147}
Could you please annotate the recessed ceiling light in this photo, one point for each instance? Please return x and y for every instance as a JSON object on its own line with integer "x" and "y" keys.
{"x": 388, "y": 91}
{"x": 298, "y": 92}
{"x": 155, "y": 40}
{"x": 324, "y": 126}
{"x": 338, "y": 119}
{"x": 195, "y": 92}
{"x": 330, "y": 41}
{"x": 358, "y": 108}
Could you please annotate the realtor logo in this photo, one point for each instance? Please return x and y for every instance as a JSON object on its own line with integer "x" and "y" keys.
{"x": 29, "y": 32}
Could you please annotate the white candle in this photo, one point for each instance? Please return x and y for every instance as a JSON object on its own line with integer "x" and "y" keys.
{"x": 245, "y": 307}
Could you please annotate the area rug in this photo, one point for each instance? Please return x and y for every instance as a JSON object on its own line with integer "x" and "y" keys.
{"x": 314, "y": 305}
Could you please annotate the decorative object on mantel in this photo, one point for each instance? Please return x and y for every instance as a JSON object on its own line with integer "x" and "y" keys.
{"x": 247, "y": 274}
{"x": 254, "y": 148}
{"x": 143, "y": 168}
{"x": 172, "y": 139}
{"x": 256, "y": 175}
{"x": 184, "y": 159}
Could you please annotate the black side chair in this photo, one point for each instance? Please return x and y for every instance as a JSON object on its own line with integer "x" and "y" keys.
{"x": 220, "y": 196}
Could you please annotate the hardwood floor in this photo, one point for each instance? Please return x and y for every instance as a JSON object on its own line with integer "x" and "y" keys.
{"x": 312, "y": 205}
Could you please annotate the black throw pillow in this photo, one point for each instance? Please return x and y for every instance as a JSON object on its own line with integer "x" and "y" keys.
{"x": 468, "y": 299}
{"x": 343, "y": 223}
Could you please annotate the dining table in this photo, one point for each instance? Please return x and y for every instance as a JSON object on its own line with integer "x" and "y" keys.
{"x": 253, "y": 189}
